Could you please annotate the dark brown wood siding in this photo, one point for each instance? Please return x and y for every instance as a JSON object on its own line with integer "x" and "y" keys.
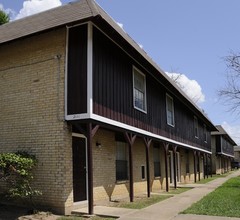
{"x": 226, "y": 146}
{"x": 77, "y": 70}
{"x": 113, "y": 96}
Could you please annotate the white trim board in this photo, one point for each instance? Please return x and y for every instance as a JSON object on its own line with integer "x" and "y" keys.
{"x": 134, "y": 129}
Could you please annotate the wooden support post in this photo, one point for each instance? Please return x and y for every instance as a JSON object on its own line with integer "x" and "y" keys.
{"x": 195, "y": 167}
{"x": 166, "y": 145}
{"x": 90, "y": 133}
{"x": 204, "y": 166}
{"x": 130, "y": 139}
{"x": 147, "y": 143}
{"x": 211, "y": 165}
{"x": 199, "y": 173}
{"x": 207, "y": 168}
{"x": 175, "y": 166}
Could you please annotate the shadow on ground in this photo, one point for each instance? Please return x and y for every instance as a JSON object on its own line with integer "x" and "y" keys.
{"x": 8, "y": 212}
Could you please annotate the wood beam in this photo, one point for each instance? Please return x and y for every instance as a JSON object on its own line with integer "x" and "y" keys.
{"x": 204, "y": 166}
{"x": 130, "y": 138}
{"x": 147, "y": 142}
{"x": 199, "y": 171}
{"x": 211, "y": 165}
{"x": 166, "y": 151}
{"x": 175, "y": 166}
{"x": 195, "y": 167}
{"x": 207, "y": 170}
{"x": 90, "y": 132}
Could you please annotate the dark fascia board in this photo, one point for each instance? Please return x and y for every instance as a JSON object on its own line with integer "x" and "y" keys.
{"x": 225, "y": 154}
{"x": 76, "y": 12}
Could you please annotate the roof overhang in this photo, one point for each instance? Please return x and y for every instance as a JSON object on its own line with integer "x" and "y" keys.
{"x": 224, "y": 154}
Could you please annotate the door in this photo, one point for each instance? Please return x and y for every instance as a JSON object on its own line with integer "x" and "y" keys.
{"x": 79, "y": 169}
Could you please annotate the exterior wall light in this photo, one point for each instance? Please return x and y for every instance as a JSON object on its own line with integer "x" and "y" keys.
{"x": 99, "y": 145}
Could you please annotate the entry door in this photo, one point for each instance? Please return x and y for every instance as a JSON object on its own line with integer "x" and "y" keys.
{"x": 79, "y": 169}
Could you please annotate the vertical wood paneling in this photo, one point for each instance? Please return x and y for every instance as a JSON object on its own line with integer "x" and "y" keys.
{"x": 113, "y": 95}
{"x": 77, "y": 70}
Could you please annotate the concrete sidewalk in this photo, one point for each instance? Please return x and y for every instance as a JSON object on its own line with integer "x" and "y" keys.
{"x": 169, "y": 208}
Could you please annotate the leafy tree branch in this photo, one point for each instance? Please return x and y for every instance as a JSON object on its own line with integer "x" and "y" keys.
{"x": 16, "y": 171}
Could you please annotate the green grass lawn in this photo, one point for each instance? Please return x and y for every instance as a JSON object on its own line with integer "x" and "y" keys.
{"x": 139, "y": 203}
{"x": 142, "y": 202}
{"x": 215, "y": 176}
{"x": 179, "y": 190}
{"x": 224, "y": 201}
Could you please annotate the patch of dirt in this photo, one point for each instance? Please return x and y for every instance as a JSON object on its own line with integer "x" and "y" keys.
{"x": 8, "y": 212}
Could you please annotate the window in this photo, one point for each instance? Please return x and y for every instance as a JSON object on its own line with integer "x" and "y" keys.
{"x": 205, "y": 133}
{"x": 143, "y": 172}
{"x": 196, "y": 127}
{"x": 139, "y": 90}
{"x": 170, "y": 110}
{"x": 121, "y": 161}
{"x": 156, "y": 160}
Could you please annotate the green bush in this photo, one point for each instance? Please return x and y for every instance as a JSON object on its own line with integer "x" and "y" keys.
{"x": 16, "y": 171}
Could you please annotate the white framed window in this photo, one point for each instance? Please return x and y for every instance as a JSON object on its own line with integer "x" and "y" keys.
{"x": 170, "y": 110}
{"x": 139, "y": 90}
{"x": 195, "y": 127}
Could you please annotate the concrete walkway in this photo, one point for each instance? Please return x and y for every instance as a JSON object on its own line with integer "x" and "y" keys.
{"x": 169, "y": 208}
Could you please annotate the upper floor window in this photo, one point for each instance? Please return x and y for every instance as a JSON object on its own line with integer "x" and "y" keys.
{"x": 205, "y": 133}
{"x": 170, "y": 110}
{"x": 139, "y": 90}
{"x": 195, "y": 126}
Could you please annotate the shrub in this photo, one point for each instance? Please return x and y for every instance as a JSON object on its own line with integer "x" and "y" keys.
{"x": 16, "y": 171}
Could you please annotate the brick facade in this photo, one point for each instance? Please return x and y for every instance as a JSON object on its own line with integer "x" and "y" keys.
{"x": 32, "y": 111}
{"x": 32, "y": 119}
{"x": 105, "y": 185}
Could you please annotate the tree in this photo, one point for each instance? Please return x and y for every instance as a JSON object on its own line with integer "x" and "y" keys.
{"x": 4, "y": 17}
{"x": 231, "y": 91}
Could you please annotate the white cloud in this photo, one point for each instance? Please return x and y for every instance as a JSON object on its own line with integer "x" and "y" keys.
{"x": 120, "y": 25}
{"x": 191, "y": 87}
{"x": 8, "y": 11}
{"x": 141, "y": 46}
{"x": 233, "y": 131}
{"x": 34, "y": 6}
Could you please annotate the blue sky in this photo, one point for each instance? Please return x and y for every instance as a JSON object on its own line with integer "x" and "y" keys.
{"x": 187, "y": 37}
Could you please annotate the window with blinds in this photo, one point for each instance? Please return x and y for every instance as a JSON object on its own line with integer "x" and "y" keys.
{"x": 139, "y": 90}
